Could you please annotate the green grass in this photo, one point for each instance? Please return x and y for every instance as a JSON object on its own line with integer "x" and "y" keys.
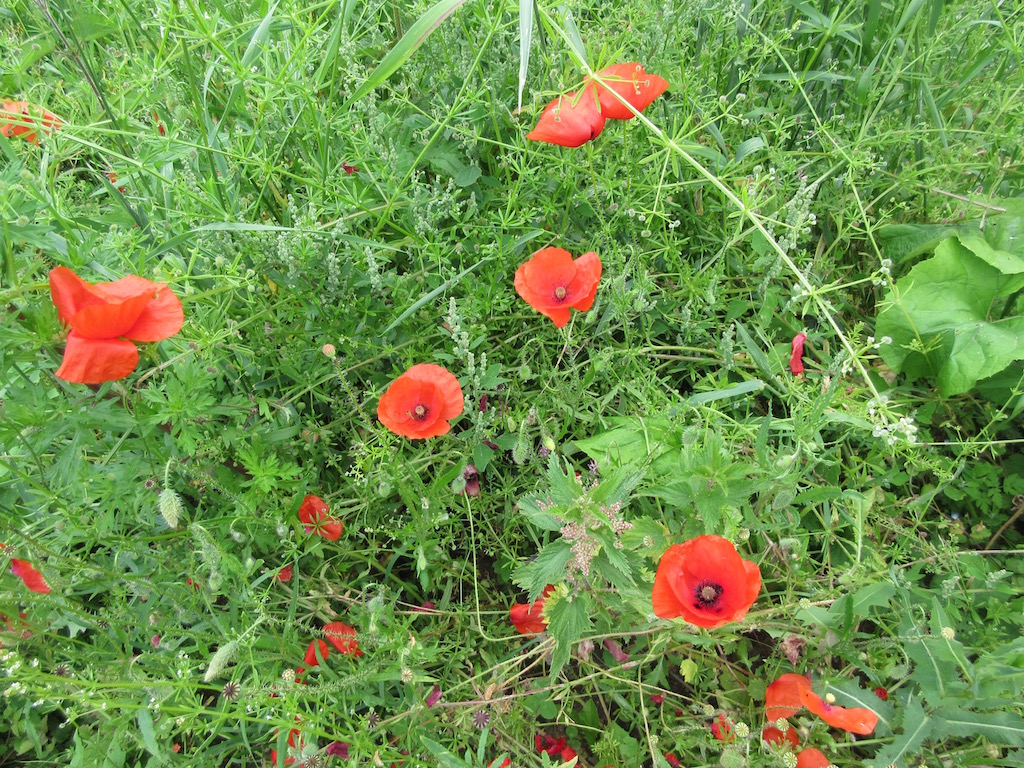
{"x": 205, "y": 145}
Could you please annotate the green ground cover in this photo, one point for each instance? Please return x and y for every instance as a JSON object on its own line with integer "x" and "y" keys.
{"x": 338, "y": 191}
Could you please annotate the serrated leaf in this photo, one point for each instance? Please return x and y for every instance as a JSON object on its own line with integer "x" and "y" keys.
{"x": 547, "y": 568}
{"x": 916, "y": 727}
{"x": 934, "y": 671}
{"x": 568, "y": 619}
{"x": 538, "y": 509}
{"x": 998, "y": 727}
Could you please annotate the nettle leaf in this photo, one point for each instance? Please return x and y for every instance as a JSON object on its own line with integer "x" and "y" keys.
{"x": 568, "y": 619}
{"x": 945, "y": 321}
{"x": 539, "y": 510}
{"x": 635, "y": 441}
{"x": 547, "y": 568}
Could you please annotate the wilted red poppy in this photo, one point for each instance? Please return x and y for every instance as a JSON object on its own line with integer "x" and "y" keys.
{"x": 812, "y": 758}
{"x": 19, "y": 118}
{"x": 721, "y": 729}
{"x": 773, "y": 735}
{"x": 570, "y": 120}
{"x": 343, "y": 638}
{"x": 792, "y": 692}
{"x": 634, "y": 85}
{"x": 545, "y": 743}
{"x": 528, "y": 618}
{"x": 881, "y": 693}
{"x": 421, "y": 402}
{"x": 672, "y": 760}
{"x": 33, "y": 579}
{"x": 285, "y": 574}
{"x": 706, "y": 582}
{"x": 314, "y": 513}
{"x": 105, "y": 318}
{"x": 796, "y": 359}
{"x": 552, "y": 282}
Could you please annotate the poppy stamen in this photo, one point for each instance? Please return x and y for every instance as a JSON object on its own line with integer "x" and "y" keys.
{"x": 707, "y": 594}
{"x": 420, "y": 412}
{"x": 560, "y": 293}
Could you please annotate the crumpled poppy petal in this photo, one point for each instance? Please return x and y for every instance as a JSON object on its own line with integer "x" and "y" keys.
{"x": 773, "y": 735}
{"x": 110, "y": 320}
{"x": 796, "y": 361}
{"x": 15, "y": 114}
{"x": 162, "y": 317}
{"x": 630, "y": 81}
{"x": 94, "y": 361}
{"x": 71, "y": 294}
{"x": 311, "y": 653}
{"x": 570, "y": 120}
{"x": 33, "y": 579}
{"x": 588, "y": 275}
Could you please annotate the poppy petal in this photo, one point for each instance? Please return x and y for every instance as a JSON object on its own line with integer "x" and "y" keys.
{"x": 311, "y": 653}
{"x": 162, "y": 318}
{"x": 785, "y": 697}
{"x": 812, "y": 758}
{"x": 854, "y": 720}
{"x": 588, "y": 275}
{"x": 33, "y": 579}
{"x": 343, "y": 638}
{"x": 628, "y": 80}
{"x": 773, "y": 735}
{"x": 94, "y": 361}
{"x": 110, "y": 320}
{"x": 447, "y": 385}
{"x": 570, "y": 120}
{"x": 665, "y": 601}
{"x": 796, "y": 361}
{"x": 71, "y": 294}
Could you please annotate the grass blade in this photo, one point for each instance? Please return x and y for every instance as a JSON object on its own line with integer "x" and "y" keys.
{"x": 406, "y": 47}
{"x": 525, "y": 39}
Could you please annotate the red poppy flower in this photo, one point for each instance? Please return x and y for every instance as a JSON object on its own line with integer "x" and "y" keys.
{"x": 421, "y": 402}
{"x": 812, "y": 758}
{"x": 721, "y": 729}
{"x": 634, "y": 85}
{"x": 552, "y": 282}
{"x": 657, "y": 698}
{"x": 706, "y": 582}
{"x": 567, "y": 754}
{"x": 672, "y": 760}
{"x": 528, "y": 618}
{"x": 796, "y": 359}
{"x": 285, "y": 574}
{"x": 33, "y": 579}
{"x": 313, "y": 512}
{"x": 773, "y": 735}
{"x": 343, "y": 638}
{"x": 570, "y": 120}
{"x": 19, "y": 118}
{"x": 349, "y": 169}
{"x": 881, "y": 693}
{"x": 105, "y": 318}
{"x": 784, "y": 697}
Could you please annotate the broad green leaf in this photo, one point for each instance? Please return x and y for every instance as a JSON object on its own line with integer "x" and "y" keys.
{"x": 934, "y": 670}
{"x": 445, "y": 759}
{"x": 548, "y": 567}
{"x": 148, "y": 733}
{"x": 940, "y": 319}
{"x": 568, "y": 619}
{"x": 406, "y": 47}
{"x": 634, "y": 440}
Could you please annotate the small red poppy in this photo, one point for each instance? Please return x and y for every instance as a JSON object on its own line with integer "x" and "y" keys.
{"x": 634, "y": 85}
{"x": 349, "y": 169}
{"x": 773, "y": 735}
{"x": 421, "y": 402}
{"x": 528, "y": 618}
{"x": 314, "y": 513}
{"x": 552, "y": 282}
{"x": 343, "y": 638}
{"x": 545, "y": 743}
{"x": 706, "y": 582}
{"x": 657, "y": 698}
{"x": 570, "y": 120}
{"x": 285, "y": 573}
{"x": 33, "y": 579}
{"x": 812, "y": 758}
{"x": 19, "y": 118}
{"x": 721, "y": 729}
{"x": 672, "y": 760}
{"x": 105, "y": 318}
{"x": 881, "y": 693}
{"x": 796, "y": 359}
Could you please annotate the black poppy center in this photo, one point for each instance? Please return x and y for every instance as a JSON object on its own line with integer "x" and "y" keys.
{"x": 420, "y": 412}
{"x": 707, "y": 595}
{"x": 561, "y": 293}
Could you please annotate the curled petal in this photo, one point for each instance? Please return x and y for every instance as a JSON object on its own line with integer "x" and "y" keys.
{"x": 629, "y": 81}
{"x": 796, "y": 359}
{"x": 94, "y": 361}
{"x": 785, "y": 697}
{"x": 33, "y": 579}
{"x": 570, "y": 120}
{"x": 855, "y": 720}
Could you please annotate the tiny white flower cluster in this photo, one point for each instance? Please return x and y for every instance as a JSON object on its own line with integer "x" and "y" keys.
{"x": 888, "y": 424}
{"x": 884, "y": 274}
